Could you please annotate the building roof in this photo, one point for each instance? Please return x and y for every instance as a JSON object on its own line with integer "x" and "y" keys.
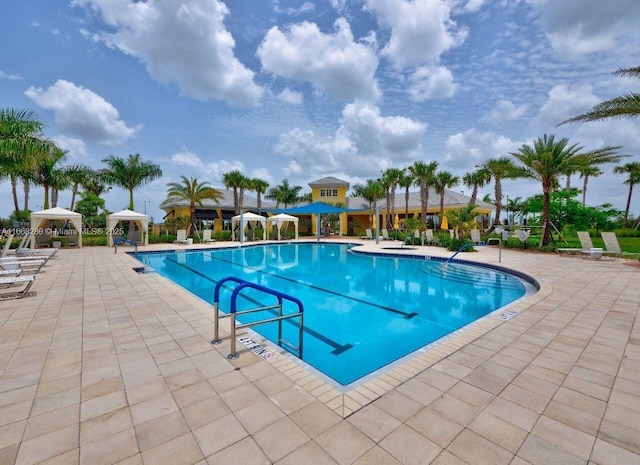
{"x": 329, "y": 181}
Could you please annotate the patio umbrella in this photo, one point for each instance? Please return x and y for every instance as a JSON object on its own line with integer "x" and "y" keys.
{"x": 373, "y": 222}
{"x": 445, "y": 223}
{"x": 396, "y": 222}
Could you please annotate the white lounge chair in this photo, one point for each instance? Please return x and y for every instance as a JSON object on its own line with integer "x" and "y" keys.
{"x": 385, "y": 235}
{"x": 44, "y": 254}
{"x": 368, "y": 234}
{"x": 429, "y": 237}
{"x": 182, "y": 237}
{"x": 8, "y": 290}
{"x": 206, "y": 236}
{"x": 25, "y": 264}
{"x": 7, "y": 246}
{"x": 612, "y": 246}
{"x": 9, "y": 273}
{"x": 475, "y": 237}
{"x": 417, "y": 234}
{"x": 585, "y": 244}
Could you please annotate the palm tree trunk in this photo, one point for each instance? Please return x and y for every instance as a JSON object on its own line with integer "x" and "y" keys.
{"x": 406, "y": 204}
{"x": 584, "y": 190}
{"x": 626, "y": 212}
{"x": 474, "y": 195}
{"x": 74, "y": 191}
{"x": 546, "y": 218}
{"x": 26, "y": 188}
{"x": 45, "y": 205}
{"x": 496, "y": 220}
{"x": 14, "y": 193}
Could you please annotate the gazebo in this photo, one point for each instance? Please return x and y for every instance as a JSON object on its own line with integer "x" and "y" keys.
{"x": 38, "y": 219}
{"x": 248, "y": 218}
{"x": 280, "y": 219}
{"x": 128, "y": 215}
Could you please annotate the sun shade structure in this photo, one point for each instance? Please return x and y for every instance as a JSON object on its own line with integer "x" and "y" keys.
{"x": 280, "y": 219}
{"x": 128, "y": 215}
{"x": 248, "y": 218}
{"x": 318, "y": 208}
{"x": 39, "y": 219}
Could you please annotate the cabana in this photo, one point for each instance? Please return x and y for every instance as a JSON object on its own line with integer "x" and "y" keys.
{"x": 248, "y": 218}
{"x": 39, "y": 220}
{"x": 280, "y": 219}
{"x": 128, "y": 215}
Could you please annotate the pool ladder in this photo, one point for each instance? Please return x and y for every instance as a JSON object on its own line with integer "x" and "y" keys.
{"x": 242, "y": 284}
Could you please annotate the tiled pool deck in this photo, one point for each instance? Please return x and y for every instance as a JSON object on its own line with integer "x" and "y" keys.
{"x": 104, "y": 365}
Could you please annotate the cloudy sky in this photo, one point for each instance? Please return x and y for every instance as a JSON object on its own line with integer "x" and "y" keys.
{"x": 301, "y": 90}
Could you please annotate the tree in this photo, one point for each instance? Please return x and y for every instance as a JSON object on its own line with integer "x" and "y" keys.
{"x": 130, "y": 173}
{"x": 633, "y": 169}
{"x": 462, "y": 220}
{"x": 547, "y": 160}
{"x": 423, "y": 175}
{"x": 442, "y": 181}
{"x": 624, "y": 106}
{"x": 21, "y": 140}
{"x": 77, "y": 174}
{"x": 406, "y": 181}
{"x": 259, "y": 186}
{"x": 194, "y": 193}
{"x": 390, "y": 179}
{"x": 47, "y": 172}
{"x": 474, "y": 180}
{"x": 237, "y": 181}
{"x": 586, "y": 172}
{"x": 284, "y": 193}
{"x": 371, "y": 191}
{"x": 498, "y": 169}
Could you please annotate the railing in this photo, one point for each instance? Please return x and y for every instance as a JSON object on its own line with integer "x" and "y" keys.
{"x": 233, "y": 312}
{"x": 124, "y": 241}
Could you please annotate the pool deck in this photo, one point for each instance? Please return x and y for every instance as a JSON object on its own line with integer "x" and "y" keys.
{"x": 105, "y": 365}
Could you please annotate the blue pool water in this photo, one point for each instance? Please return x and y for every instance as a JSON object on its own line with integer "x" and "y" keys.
{"x": 362, "y": 311}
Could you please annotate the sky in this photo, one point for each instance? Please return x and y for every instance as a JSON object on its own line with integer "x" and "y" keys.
{"x": 305, "y": 89}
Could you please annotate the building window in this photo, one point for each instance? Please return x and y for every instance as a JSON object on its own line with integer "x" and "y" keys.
{"x": 335, "y": 192}
{"x": 322, "y": 192}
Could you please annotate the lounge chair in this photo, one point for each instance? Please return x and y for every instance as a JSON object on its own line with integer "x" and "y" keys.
{"x": 9, "y": 273}
{"x": 429, "y": 237}
{"x": 385, "y": 235}
{"x": 8, "y": 286}
{"x": 585, "y": 244}
{"x": 25, "y": 264}
{"x": 7, "y": 246}
{"x": 182, "y": 237}
{"x": 206, "y": 236}
{"x": 368, "y": 234}
{"x": 612, "y": 246}
{"x": 44, "y": 254}
{"x": 475, "y": 237}
{"x": 417, "y": 234}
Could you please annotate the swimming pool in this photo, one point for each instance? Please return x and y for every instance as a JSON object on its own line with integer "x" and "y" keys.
{"x": 362, "y": 311}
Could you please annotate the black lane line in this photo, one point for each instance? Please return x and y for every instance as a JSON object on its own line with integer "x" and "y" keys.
{"x": 338, "y": 348}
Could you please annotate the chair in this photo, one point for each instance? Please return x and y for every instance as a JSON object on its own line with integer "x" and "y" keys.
{"x": 25, "y": 264}
{"x": 429, "y": 238}
{"x": 368, "y": 234}
{"x": 475, "y": 237}
{"x": 612, "y": 246}
{"x": 182, "y": 237}
{"x": 8, "y": 273}
{"x": 385, "y": 235}
{"x": 417, "y": 234}
{"x": 7, "y": 246}
{"x": 206, "y": 236}
{"x": 585, "y": 244}
{"x": 8, "y": 290}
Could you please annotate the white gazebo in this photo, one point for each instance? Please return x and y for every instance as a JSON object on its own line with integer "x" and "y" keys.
{"x": 127, "y": 215}
{"x": 39, "y": 219}
{"x": 282, "y": 218}
{"x": 248, "y": 218}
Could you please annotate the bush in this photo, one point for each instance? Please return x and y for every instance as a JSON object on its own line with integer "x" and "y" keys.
{"x": 94, "y": 240}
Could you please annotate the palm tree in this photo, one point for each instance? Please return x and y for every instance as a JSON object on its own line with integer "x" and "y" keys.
{"x": 390, "y": 178}
{"x": 463, "y": 219}
{"x": 547, "y": 160}
{"x": 371, "y": 191}
{"x": 444, "y": 180}
{"x": 78, "y": 174}
{"x": 47, "y": 172}
{"x": 406, "y": 181}
{"x": 21, "y": 141}
{"x": 423, "y": 175}
{"x": 618, "y": 107}
{"x": 193, "y": 192}
{"x": 130, "y": 173}
{"x": 284, "y": 193}
{"x": 237, "y": 181}
{"x": 498, "y": 169}
{"x": 259, "y": 186}
{"x": 586, "y": 172}
{"x": 474, "y": 180}
{"x": 633, "y": 169}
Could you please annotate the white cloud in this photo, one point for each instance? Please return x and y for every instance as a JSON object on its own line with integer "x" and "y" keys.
{"x": 197, "y": 167}
{"x": 505, "y": 110}
{"x": 466, "y": 149}
{"x": 580, "y": 27}
{"x": 565, "y": 101}
{"x": 426, "y": 83}
{"x": 306, "y": 7}
{"x": 83, "y": 113}
{"x": 261, "y": 173}
{"x": 420, "y": 30}
{"x": 291, "y": 96}
{"x": 184, "y": 42}
{"x": 364, "y": 144}
{"x": 333, "y": 63}
{"x": 11, "y": 77}
{"x": 187, "y": 159}
{"x": 76, "y": 147}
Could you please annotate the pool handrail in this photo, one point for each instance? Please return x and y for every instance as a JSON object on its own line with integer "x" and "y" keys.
{"x": 242, "y": 284}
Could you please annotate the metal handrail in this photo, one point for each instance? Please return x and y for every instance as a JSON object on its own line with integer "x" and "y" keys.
{"x": 242, "y": 284}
